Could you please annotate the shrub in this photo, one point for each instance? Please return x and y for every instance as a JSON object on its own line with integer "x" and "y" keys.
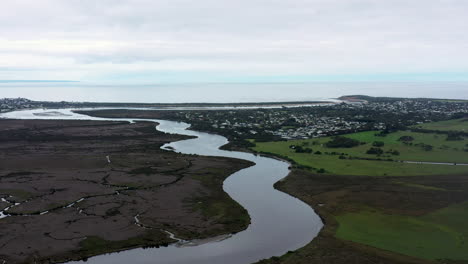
{"x": 427, "y": 147}
{"x": 381, "y": 134}
{"x": 378, "y": 144}
{"x": 300, "y": 149}
{"x": 342, "y": 142}
{"x": 454, "y": 137}
{"x": 375, "y": 151}
{"x": 406, "y": 138}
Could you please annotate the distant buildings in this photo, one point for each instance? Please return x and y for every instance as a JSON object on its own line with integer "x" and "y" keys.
{"x": 317, "y": 121}
{"x": 295, "y": 122}
{"x": 11, "y": 104}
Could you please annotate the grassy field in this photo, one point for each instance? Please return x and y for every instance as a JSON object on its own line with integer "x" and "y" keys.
{"x": 390, "y": 219}
{"x": 443, "y": 151}
{"x": 385, "y": 220}
{"x": 449, "y": 125}
{"x": 438, "y": 235}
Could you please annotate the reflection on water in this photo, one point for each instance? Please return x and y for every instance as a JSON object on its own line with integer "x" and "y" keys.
{"x": 279, "y": 222}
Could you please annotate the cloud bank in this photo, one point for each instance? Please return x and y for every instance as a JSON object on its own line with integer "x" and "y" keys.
{"x": 216, "y": 40}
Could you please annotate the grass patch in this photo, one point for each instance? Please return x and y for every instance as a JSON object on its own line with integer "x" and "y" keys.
{"x": 356, "y": 160}
{"x": 438, "y": 235}
{"x": 420, "y": 186}
{"x": 448, "y": 125}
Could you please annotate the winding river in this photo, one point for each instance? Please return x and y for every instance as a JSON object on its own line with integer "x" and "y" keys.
{"x": 279, "y": 222}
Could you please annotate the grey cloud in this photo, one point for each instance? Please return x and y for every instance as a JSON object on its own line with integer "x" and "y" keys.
{"x": 303, "y": 36}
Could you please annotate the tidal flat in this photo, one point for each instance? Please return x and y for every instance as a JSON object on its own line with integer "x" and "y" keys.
{"x": 76, "y": 189}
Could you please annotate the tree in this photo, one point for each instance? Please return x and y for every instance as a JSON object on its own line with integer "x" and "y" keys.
{"x": 454, "y": 137}
{"x": 427, "y": 147}
{"x": 375, "y": 151}
{"x": 378, "y": 144}
{"x": 300, "y": 149}
{"x": 342, "y": 142}
{"x": 406, "y": 138}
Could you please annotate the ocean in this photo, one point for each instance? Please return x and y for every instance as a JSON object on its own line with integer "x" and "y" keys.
{"x": 227, "y": 92}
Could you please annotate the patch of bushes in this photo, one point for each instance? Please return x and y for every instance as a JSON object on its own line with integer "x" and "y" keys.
{"x": 342, "y": 142}
{"x": 394, "y": 152}
{"x": 375, "y": 151}
{"x": 321, "y": 170}
{"x": 454, "y": 137}
{"x": 406, "y": 138}
{"x": 382, "y": 133}
{"x": 378, "y": 144}
{"x": 425, "y": 147}
{"x": 300, "y": 149}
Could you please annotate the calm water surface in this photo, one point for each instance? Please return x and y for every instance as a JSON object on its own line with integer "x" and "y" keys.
{"x": 225, "y": 92}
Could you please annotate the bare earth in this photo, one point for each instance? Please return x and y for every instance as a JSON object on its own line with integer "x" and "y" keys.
{"x": 83, "y": 188}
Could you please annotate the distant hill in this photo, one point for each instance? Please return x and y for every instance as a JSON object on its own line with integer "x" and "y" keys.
{"x": 362, "y": 98}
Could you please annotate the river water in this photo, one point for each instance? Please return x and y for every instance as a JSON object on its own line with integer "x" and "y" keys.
{"x": 279, "y": 222}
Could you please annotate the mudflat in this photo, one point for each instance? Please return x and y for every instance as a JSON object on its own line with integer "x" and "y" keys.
{"x": 75, "y": 189}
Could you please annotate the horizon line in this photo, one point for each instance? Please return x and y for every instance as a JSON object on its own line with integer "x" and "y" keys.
{"x": 37, "y": 81}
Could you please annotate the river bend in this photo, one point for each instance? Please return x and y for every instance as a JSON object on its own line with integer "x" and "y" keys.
{"x": 279, "y": 222}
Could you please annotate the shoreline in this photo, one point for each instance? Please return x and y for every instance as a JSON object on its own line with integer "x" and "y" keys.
{"x": 79, "y": 207}
{"x": 174, "y": 107}
{"x": 292, "y": 240}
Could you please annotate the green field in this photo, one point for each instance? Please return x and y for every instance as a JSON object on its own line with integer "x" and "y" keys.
{"x": 449, "y": 125}
{"x": 443, "y": 151}
{"x": 395, "y": 214}
{"x": 442, "y": 234}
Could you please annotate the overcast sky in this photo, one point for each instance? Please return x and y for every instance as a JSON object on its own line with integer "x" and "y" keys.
{"x": 243, "y": 40}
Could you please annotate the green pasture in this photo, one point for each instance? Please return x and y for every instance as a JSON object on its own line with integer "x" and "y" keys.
{"x": 442, "y": 151}
{"x": 442, "y": 234}
{"x": 449, "y": 125}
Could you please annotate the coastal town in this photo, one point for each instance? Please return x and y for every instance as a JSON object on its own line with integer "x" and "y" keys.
{"x": 277, "y": 122}
{"x": 12, "y": 104}
{"x": 347, "y": 115}
{"x": 317, "y": 121}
